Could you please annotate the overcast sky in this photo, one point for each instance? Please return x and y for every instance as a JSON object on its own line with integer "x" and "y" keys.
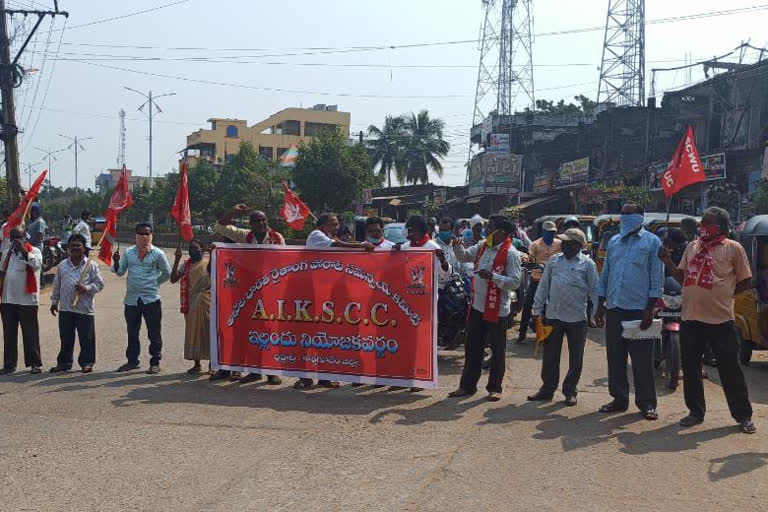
{"x": 251, "y": 39}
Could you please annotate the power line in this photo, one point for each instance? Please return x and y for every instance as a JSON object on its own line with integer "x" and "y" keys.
{"x": 128, "y": 15}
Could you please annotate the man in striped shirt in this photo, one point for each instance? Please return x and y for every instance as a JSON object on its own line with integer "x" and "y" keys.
{"x": 76, "y": 276}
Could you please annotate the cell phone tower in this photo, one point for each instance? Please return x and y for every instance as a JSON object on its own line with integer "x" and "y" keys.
{"x": 622, "y": 72}
{"x": 121, "y": 146}
{"x": 505, "y": 72}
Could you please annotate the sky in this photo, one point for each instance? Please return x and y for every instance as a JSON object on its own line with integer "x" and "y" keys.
{"x": 267, "y": 55}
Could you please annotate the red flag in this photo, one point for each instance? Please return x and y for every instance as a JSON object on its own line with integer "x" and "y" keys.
{"x": 294, "y": 211}
{"x": 685, "y": 168}
{"x": 120, "y": 200}
{"x": 180, "y": 210}
{"x": 17, "y": 217}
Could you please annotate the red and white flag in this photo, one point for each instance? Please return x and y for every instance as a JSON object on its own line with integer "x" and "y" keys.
{"x": 685, "y": 168}
{"x": 17, "y": 217}
{"x": 294, "y": 211}
{"x": 120, "y": 200}
{"x": 180, "y": 210}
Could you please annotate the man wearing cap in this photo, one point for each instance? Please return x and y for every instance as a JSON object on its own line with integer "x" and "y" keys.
{"x": 568, "y": 283}
{"x": 541, "y": 251}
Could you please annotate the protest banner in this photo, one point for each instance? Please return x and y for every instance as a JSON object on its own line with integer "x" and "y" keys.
{"x": 367, "y": 317}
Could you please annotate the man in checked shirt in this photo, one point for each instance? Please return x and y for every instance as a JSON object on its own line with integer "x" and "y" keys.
{"x": 569, "y": 281}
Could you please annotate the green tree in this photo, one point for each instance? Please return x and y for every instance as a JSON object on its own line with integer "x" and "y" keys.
{"x": 387, "y": 148}
{"x": 639, "y": 195}
{"x": 330, "y": 174}
{"x": 424, "y": 147}
{"x": 247, "y": 178}
{"x": 583, "y": 107}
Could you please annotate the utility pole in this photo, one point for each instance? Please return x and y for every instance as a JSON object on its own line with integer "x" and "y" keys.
{"x": 152, "y": 107}
{"x": 75, "y": 145}
{"x": 11, "y": 77}
{"x": 49, "y": 154}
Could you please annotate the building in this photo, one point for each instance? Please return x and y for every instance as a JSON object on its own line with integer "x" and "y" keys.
{"x": 108, "y": 180}
{"x": 271, "y": 137}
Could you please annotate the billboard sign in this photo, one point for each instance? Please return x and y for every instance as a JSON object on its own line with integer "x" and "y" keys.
{"x": 714, "y": 169}
{"x": 495, "y": 174}
{"x": 498, "y": 143}
{"x": 573, "y": 173}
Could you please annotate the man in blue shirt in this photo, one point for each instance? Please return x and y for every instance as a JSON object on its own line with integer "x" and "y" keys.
{"x": 630, "y": 284}
{"x": 147, "y": 269}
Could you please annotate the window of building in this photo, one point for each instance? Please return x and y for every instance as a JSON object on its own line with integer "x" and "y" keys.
{"x": 289, "y": 128}
{"x": 267, "y": 152}
{"x": 311, "y": 129}
{"x": 231, "y": 131}
{"x": 229, "y": 157}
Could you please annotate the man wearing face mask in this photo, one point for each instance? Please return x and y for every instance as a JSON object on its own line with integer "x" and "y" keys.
{"x": 541, "y": 251}
{"x": 147, "y": 269}
{"x": 631, "y": 282}
{"x": 374, "y": 233}
{"x": 195, "y": 303}
{"x": 712, "y": 271}
{"x": 568, "y": 283}
{"x": 497, "y": 275}
{"x": 443, "y": 241}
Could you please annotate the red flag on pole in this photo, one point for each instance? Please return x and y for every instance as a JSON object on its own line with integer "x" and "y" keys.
{"x": 294, "y": 211}
{"x": 17, "y": 217}
{"x": 685, "y": 168}
{"x": 120, "y": 200}
{"x": 180, "y": 210}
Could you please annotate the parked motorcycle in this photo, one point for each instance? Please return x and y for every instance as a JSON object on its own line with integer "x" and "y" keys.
{"x": 53, "y": 252}
{"x": 668, "y": 351}
{"x": 452, "y": 307}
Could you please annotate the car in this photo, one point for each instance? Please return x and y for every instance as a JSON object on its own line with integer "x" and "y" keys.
{"x": 396, "y": 232}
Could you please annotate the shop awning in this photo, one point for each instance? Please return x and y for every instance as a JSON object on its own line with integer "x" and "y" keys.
{"x": 534, "y": 202}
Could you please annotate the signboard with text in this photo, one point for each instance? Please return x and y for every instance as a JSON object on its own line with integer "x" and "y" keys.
{"x": 498, "y": 143}
{"x": 325, "y": 313}
{"x": 714, "y": 169}
{"x": 573, "y": 173}
{"x": 495, "y": 174}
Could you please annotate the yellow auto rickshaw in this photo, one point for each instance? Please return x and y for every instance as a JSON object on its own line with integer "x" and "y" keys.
{"x": 751, "y": 306}
{"x": 97, "y": 230}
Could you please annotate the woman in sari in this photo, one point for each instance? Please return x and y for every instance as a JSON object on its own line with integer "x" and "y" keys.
{"x": 195, "y": 290}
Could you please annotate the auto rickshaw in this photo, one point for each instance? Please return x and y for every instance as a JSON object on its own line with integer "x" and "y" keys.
{"x": 751, "y": 306}
{"x": 97, "y": 230}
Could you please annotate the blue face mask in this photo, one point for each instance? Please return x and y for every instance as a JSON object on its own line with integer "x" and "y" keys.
{"x": 445, "y": 236}
{"x": 548, "y": 237}
{"x": 630, "y": 222}
{"x": 374, "y": 240}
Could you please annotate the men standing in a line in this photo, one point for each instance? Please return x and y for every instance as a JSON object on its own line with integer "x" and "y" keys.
{"x": 147, "y": 269}
{"x": 322, "y": 238}
{"x": 568, "y": 283}
{"x": 68, "y": 284}
{"x": 37, "y": 228}
{"x": 541, "y": 251}
{"x": 497, "y": 275}
{"x": 259, "y": 234}
{"x": 21, "y": 296}
{"x": 195, "y": 302}
{"x": 712, "y": 271}
{"x": 84, "y": 228}
{"x": 629, "y": 285}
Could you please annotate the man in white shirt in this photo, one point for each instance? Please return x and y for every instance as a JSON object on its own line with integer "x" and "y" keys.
{"x": 374, "y": 233}
{"x": 21, "y": 296}
{"x": 419, "y": 235}
{"x": 497, "y": 275}
{"x": 322, "y": 238}
{"x": 84, "y": 228}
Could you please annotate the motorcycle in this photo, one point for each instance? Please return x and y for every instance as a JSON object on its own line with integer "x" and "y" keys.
{"x": 668, "y": 309}
{"x": 53, "y": 252}
{"x": 452, "y": 307}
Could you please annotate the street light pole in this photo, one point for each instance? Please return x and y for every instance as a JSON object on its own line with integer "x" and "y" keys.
{"x": 49, "y": 153}
{"x": 76, "y": 145}
{"x": 151, "y": 114}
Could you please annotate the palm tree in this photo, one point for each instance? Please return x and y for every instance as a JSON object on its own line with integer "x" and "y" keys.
{"x": 424, "y": 147}
{"x": 387, "y": 147}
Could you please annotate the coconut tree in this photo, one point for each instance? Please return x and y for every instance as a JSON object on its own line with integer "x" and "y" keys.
{"x": 387, "y": 147}
{"x": 424, "y": 147}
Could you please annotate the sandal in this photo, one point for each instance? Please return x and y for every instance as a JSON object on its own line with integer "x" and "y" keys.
{"x": 650, "y": 414}
{"x": 747, "y": 427}
{"x": 614, "y": 407}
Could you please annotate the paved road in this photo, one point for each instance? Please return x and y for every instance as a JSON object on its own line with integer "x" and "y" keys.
{"x": 170, "y": 442}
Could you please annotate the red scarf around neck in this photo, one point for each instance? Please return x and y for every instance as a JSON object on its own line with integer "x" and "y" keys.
{"x": 493, "y": 296}
{"x": 272, "y": 237}
{"x": 699, "y": 271}
{"x": 421, "y": 242}
{"x": 184, "y": 287}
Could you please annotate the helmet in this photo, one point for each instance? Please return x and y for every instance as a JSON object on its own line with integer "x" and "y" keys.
{"x": 571, "y": 222}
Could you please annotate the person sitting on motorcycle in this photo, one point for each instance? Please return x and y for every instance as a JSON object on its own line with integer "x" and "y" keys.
{"x": 443, "y": 240}
{"x": 571, "y": 223}
{"x": 475, "y": 233}
{"x": 541, "y": 251}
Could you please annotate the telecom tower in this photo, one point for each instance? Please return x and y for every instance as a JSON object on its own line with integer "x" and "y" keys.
{"x": 505, "y": 73}
{"x": 121, "y": 146}
{"x": 622, "y": 72}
